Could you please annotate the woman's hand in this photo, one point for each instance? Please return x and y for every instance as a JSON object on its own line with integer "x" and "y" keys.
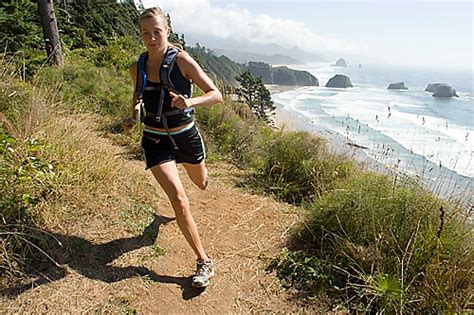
{"x": 179, "y": 101}
{"x": 128, "y": 123}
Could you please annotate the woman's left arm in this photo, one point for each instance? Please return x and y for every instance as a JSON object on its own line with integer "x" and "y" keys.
{"x": 192, "y": 71}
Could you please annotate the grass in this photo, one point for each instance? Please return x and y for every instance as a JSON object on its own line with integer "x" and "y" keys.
{"x": 296, "y": 167}
{"x": 137, "y": 218}
{"x": 55, "y": 174}
{"x": 28, "y": 175}
{"x": 392, "y": 246}
{"x": 229, "y": 130}
{"x": 372, "y": 243}
{"x": 158, "y": 250}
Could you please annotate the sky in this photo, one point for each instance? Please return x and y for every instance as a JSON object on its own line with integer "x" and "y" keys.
{"x": 431, "y": 34}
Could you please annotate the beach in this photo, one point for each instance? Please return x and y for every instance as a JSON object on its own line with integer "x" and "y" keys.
{"x": 440, "y": 180}
{"x": 293, "y": 121}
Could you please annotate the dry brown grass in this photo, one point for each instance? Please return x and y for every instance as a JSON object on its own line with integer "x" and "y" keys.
{"x": 101, "y": 208}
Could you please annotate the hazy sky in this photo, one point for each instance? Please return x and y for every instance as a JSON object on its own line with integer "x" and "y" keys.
{"x": 425, "y": 33}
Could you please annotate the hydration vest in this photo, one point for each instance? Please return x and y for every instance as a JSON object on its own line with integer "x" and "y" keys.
{"x": 166, "y": 85}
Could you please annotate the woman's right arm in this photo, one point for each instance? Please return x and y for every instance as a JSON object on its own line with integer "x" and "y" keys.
{"x": 129, "y": 123}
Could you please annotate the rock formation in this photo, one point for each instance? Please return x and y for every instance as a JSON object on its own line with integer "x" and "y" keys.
{"x": 281, "y": 75}
{"x": 340, "y": 63}
{"x": 441, "y": 90}
{"x": 397, "y": 86}
{"x": 339, "y": 81}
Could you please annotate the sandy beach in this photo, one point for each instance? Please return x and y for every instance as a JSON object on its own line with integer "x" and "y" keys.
{"x": 292, "y": 121}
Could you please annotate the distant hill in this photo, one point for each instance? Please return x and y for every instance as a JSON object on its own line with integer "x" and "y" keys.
{"x": 281, "y": 75}
{"x": 224, "y": 70}
{"x": 220, "y": 68}
{"x": 245, "y": 57}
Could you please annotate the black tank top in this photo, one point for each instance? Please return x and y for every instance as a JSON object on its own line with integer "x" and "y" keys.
{"x": 151, "y": 99}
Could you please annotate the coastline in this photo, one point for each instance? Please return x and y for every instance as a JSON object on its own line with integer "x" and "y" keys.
{"x": 289, "y": 120}
{"x": 292, "y": 121}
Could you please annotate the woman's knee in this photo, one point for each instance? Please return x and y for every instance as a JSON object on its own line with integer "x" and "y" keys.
{"x": 202, "y": 184}
{"x": 180, "y": 202}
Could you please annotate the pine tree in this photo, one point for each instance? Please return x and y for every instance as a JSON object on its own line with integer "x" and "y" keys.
{"x": 255, "y": 95}
{"x": 50, "y": 32}
{"x": 19, "y": 26}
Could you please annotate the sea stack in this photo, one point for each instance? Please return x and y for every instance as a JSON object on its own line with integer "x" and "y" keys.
{"x": 441, "y": 90}
{"x": 340, "y": 63}
{"x": 339, "y": 81}
{"x": 397, "y": 86}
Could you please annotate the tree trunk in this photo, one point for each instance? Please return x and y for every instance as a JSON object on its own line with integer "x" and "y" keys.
{"x": 50, "y": 32}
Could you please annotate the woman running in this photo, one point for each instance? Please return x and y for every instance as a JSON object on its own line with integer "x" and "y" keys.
{"x": 162, "y": 98}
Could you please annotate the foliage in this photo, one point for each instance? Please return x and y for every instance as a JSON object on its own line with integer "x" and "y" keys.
{"x": 231, "y": 130}
{"x": 86, "y": 88}
{"x": 62, "y": 176}
{"x": 119, "y": 54}
{"x": 297, "y": 268}
{"x": 81, "y": 23}
{"x": 86, "y": 23}
{"x": 396, "y": 247}
{"x": 280, "y": 75}
{"x": 20, "y": 26}
{"x": 296, "y": 167}
{"x": 255, "y": 95}
{"x": 26, "y": 179}
{"x": 175, "y": 38}
{"x": 221, "y": 69}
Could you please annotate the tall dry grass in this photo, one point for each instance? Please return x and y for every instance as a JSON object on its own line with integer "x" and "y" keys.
{"x": 55, "y": 170}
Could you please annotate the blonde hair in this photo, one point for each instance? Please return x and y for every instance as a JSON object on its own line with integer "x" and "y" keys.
{"x": 157, "y": 13}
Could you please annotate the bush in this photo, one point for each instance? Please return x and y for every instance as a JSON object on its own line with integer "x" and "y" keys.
{"x": 37, "y": 129}
{"x": 231, "y": 129}
{"x": 397, "y": 247}
{"x": 305, "y": 272}
{"x": 26, "y": 178}
{"x": 118, "y": 54}
{"x": 86, "y": 88}
{"x": 295, "y": 166}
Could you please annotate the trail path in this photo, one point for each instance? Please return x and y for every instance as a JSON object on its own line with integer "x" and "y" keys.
{"x": 117, "y": 271}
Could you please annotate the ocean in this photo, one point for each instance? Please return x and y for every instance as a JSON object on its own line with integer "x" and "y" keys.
{"x": 408, "y": 130}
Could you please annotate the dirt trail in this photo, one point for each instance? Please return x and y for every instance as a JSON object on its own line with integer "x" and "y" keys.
{"x": 120, "y": 272}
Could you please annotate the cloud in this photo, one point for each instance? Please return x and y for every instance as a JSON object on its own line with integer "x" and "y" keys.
{"x": 200, "y": 17}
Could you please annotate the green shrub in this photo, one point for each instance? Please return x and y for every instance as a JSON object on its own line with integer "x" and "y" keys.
{"x": 28, "y": 62}
{"x": 231, "y": 129}
{"x": 295, "y": 166}
{"x": 86, "y": 88}
{"x": 118, "y": 54}
{"x": 23, "y": 107}
{"x": 26, "y": 179}
{"x": 306, "y": 272}
{"x": 399, "y": 248}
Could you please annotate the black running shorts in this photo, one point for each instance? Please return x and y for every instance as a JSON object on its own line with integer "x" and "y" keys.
{"x": 158, "y": 148}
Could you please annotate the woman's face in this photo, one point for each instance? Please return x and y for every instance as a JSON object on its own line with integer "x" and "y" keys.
{"x": 154, "y": 33}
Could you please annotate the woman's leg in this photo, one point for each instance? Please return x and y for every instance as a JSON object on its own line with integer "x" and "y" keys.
{"x": 197, "y": 173}
{"x": 167, "y": 176}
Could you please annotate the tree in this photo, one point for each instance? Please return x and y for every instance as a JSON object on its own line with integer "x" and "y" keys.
{"x": 255, "y": 95}
{"x": 50, "y": 32}
{"x": 86, "y": 23}
{"x": 80, "y": 23}
{"x": 19, "y": 26}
